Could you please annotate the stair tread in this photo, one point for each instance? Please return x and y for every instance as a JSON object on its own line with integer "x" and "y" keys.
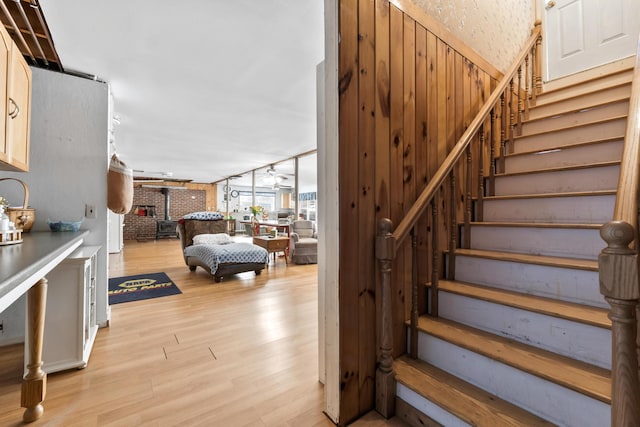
{"x": 618, "y": 99}
{"x": 580, "y": 264}
{"x": 574, "y": 126}
{"x": 537, "y": 225}
{"x": 567, "y": 146}
{"x": 561, "y": 168}
{"x": 546, "y": 195}
{"x": 466, "y": 401}
{"x": 582, "y": 377}
{"x": 556, "y": 308}
{"x": 625, "y": 75}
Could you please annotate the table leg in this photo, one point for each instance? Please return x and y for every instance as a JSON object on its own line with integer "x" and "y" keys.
{"x": 34, "y": 383}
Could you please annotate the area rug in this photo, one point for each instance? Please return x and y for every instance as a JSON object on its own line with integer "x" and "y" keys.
{"x": 141, "y": 286}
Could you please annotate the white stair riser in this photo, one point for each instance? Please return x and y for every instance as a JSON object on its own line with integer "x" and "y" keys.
{"x": 567, "y": 242}
{"x": 573, "y": 180}
{"x": 582, "y": 116}
{"x": 573, "y": 91}
{"x": 573, "y": 210}
{"x": 547, "y": 141}
{"x": 583, "y": 101}
{"x": 572, "y": 339}
{"x": 425, "y": 406}
{"x": 555, "y": 403}
{"x": 573, "y": 156}
{"x": 565, "y": 284}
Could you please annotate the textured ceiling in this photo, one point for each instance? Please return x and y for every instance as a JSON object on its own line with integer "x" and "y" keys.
{"x": 203, "y": 89}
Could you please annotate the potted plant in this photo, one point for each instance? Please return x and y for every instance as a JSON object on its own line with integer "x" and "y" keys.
{"x": 255, "y": 220}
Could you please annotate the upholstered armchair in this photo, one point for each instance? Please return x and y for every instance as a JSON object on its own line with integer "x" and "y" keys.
{"x": 304, "y": 242}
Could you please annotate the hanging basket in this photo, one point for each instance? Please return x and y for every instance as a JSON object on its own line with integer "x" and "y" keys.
{"x": 22, "y": 217}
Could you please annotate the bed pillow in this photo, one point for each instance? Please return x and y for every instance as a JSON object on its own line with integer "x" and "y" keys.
{"x": 209, "y": 239}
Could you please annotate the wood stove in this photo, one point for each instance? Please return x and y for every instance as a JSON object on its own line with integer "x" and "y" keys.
{"x": 166, "y": 227}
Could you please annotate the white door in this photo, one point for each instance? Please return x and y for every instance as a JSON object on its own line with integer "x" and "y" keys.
{"x": 582, "y": 34}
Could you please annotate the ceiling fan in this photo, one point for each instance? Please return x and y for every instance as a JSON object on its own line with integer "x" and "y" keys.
{"x": 272, "y": 172}
{"x": 275, "y": 179}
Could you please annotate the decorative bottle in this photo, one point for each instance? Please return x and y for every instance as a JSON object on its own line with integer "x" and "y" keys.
{"x": 4, "y": 219}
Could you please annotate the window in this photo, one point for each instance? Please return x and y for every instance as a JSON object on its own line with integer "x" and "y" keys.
{"x": 265, "y": 199}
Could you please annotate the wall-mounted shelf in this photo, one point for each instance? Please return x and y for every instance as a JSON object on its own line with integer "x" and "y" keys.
{"x": 145, "y": 210}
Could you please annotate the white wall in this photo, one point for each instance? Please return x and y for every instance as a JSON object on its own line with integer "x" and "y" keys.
{"x": 68, "y": 166}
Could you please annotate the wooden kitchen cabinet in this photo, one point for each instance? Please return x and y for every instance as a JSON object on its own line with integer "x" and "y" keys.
{"x": 15, "y": 90}
{"x": 70, "y": 324}
{"x": 5, "y": 55}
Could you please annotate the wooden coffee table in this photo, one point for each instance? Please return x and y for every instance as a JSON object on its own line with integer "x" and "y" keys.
{"x": 273, "y": 245}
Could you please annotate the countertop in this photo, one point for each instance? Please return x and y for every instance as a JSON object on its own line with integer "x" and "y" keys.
{"x": 23, "y": 264}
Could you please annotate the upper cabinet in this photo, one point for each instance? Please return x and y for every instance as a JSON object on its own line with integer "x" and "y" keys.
{"x": 5, "y": 54}
{"x": 15, "y": 90}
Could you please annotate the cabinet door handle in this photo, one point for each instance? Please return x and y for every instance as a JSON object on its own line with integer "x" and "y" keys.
{"x": 16, "y": 110}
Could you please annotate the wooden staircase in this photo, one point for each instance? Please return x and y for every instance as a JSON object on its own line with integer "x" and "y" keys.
{"x": 522, "y": 335}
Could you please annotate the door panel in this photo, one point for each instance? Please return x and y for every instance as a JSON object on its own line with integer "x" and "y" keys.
{"x": 582, "y": 34}
{"x": 571, "y": 29}
{"x": 611, "y": 21}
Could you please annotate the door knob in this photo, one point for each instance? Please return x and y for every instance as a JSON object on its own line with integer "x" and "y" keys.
{"x": 549, "y": 4}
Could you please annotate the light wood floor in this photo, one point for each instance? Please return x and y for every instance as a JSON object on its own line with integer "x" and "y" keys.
{"x": 242, "y": 352}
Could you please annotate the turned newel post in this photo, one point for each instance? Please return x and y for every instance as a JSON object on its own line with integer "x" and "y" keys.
{"x": 385, "y": 380}
{"x": 619, "y": 284}
{"x": 34, "y": 383}
{"x": 537, "y": 79}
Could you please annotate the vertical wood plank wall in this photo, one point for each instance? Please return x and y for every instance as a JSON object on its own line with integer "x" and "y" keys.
{"x": 407, "y": 90}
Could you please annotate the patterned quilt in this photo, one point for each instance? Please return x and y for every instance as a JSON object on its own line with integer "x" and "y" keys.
{"x": 205, "y": 216}
{"x": 236, "y": 253}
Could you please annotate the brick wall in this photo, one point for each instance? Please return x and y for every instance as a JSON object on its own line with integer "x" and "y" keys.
{"x": 181, "y": 202}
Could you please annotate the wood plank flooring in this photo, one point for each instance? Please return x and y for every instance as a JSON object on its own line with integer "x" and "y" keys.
{"x": 242, "y": 352}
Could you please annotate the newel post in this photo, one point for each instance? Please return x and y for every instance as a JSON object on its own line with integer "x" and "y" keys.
{"x": 385, "y": 379}
{"x": 619, "y": 284}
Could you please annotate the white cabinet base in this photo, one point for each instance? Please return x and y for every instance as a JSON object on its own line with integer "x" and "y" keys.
{"x": 70, "y": 320}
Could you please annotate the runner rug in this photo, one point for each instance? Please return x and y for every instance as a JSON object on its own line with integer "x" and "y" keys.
{"x": 141, "y": 286}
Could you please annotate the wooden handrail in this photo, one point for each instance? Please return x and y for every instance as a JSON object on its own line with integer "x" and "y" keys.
{"x": 421, "y": 203}
{"x": 626, "y": 208}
